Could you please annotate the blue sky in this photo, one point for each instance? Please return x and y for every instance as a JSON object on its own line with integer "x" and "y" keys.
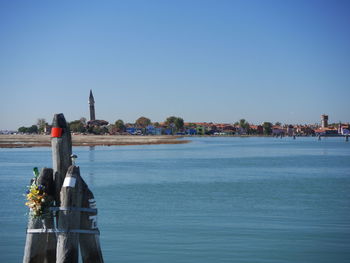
{"x": 214, "y": 61}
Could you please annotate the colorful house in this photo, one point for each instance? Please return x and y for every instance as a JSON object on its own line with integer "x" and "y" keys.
{"x": 191, "y": 131}
{"x": 278, "y": 130}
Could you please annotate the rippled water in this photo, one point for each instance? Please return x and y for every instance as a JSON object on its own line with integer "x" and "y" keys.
{"x": 213, "y": 200}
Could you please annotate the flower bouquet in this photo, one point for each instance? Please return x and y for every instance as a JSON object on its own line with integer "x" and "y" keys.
{"x": 38, "y": 200}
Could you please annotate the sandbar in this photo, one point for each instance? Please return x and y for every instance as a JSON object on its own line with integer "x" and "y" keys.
{"x": 25, "y": 141}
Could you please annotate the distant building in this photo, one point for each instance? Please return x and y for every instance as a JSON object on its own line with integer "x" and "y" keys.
{"x": 326, "y": 132}
{"x": 200, "y": 130}
{"x": 256, "y": 129}
{"x": 343, "y": 129}
{"x": 304, "y": 130}
{"x": 277, "y": 130}
{"x": 47, "y": 128}
{"x": 191, "y": 131}
{"x": 324, "y": 121}
{"x": 97, "y": 123}
{"x": 290, "y": 130}
{"x": 93, "y": 125}
{"x": 92, "y": 106}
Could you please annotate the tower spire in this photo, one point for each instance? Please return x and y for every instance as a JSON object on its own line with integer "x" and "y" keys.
{"x": 92, "y": 106}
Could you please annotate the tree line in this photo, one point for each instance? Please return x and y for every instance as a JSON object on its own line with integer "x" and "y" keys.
{"x": 172, "y": 122}
{"x": 82, "y": 126}
{"x": 176, "y": 124}
{"x": 266, "y": 126}
{"x": 39, "y": 127}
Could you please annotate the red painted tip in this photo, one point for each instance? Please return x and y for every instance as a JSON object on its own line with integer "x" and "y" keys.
{"x": 56, "y": 132}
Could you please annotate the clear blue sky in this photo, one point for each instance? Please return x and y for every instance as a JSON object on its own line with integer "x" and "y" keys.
{"x": 216, "y": 61}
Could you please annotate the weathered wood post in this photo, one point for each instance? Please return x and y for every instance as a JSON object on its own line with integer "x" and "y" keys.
{"x": 74, "y": 203}
{"x": 41, "y": 244}
{"x": 61, "y": 143}
{"x": 69, "y": 217}
{"x": 89, "y": 243}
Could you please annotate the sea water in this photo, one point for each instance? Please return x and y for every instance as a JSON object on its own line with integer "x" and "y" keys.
{"x": 212, "y": 200}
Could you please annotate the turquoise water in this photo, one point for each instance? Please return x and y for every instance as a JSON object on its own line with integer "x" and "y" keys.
{"x": 213, "y": 200}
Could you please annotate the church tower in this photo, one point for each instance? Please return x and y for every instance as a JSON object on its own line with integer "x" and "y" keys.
{"x": 92, "y": 106}
{"x": 324, "y": 121}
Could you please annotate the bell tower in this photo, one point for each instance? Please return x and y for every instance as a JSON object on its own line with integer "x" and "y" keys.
{"x": 92, "y": 106}
{"x": 324, "y": 121}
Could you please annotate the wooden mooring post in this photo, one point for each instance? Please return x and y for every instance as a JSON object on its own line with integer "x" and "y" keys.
{"x": 41, "y": 245}
{"x": 89, "y": 243}
{"x": 72, "y": 221}
{"x": 61, "y": 143}
{"x": 68, "y": 222}
{"x": 77, "y": 221}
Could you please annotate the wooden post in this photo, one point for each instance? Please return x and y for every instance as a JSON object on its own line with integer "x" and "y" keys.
{"x": 61, "y": 143}
{"x": 76, "y": 217}
{"x": 89, "y": 243}
{"x": 41, "y": 246}
{"x": 69, "y": 217}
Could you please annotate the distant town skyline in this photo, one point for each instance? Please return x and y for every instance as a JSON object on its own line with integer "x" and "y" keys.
{"x": 204, "y": 61}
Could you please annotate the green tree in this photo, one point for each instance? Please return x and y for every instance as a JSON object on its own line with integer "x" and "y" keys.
{"x": 142, "y": 122}
{"x": 98, "y": 130}
{"x": 170, "y": 120}
{"x": 41, "y": 123}
{"x": 156, "y": 124}
{"x": 31, "y": 129}
{"x": 278, "y": 123}
{"x": 244, "y": 125}
{"x": 267, "y": 127}
{"x": 83, "y": 120}
{"x": 23, "y": 129}
{"x": 119, "y": 126}
{"x": 175, "y": 123}
{"x": 77, "y": 126}
{"x": 179, "y": 123}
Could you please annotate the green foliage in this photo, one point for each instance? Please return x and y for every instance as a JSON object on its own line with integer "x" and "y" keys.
{"x": 175, "y": 122}
{"x": 267, "y": 126}
{"x": 142, "y": 122}
{"x": 119, "y": 126}
{"x": 41, "y": 123}
{"x": 98, "y": 130}
{"x": 77, "y": 126}
{"x": 179, "y": 123}
{"x": 22, "y": 129}
{"x": 170, "y": 120}
{"x": 83, "y": 120}
{"x": 156, "y": 124}
{"x": 31, "y": 129}
{"x": 244, "y": 125}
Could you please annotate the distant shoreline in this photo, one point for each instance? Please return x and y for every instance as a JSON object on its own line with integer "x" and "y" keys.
{"x": 28, "y": 141}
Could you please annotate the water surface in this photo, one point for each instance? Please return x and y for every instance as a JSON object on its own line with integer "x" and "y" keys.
{"x": 213, "y": 200}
